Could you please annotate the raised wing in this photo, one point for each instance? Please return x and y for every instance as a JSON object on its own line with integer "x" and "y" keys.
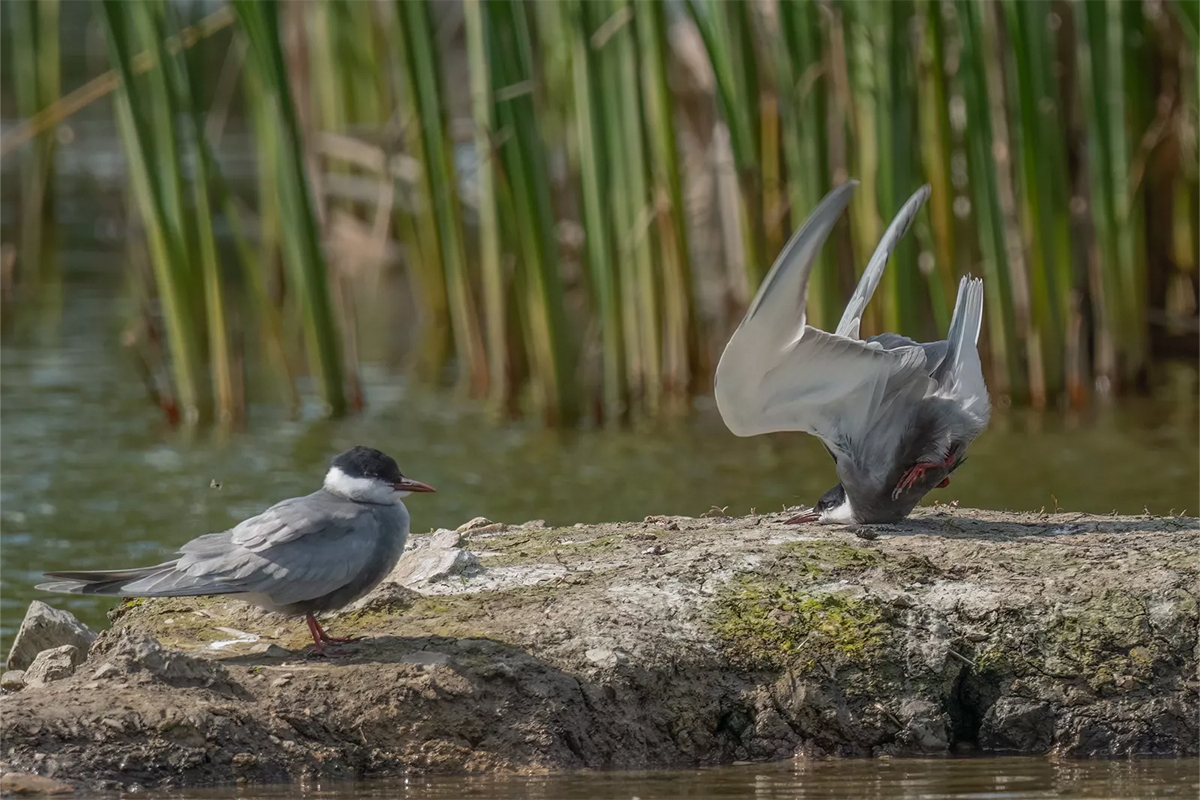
{"x": 960, "y": 374}
{"x": 777, "y": 373}
{"x": 852, "y": 316}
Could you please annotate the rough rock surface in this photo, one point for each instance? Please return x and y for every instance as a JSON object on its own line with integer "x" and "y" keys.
{"x": 44, "y": 628}
{"x": 25, "y": 784}
{"x": 670, "y": 642}
{"x": 53, "y": 665}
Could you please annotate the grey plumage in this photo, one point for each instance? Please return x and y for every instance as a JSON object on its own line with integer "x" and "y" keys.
{"x": 304, "y": 555}
{"x": 895, "y": 414}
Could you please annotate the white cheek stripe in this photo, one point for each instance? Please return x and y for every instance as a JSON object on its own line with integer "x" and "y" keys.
{"x": 368, "y": 489}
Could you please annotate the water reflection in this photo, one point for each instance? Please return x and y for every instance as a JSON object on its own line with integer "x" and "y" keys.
{"x": 885, "y": 779}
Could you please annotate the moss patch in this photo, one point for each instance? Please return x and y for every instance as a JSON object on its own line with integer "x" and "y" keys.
{"x": 822, "y": 560}
{"x": 772, "y": 625}
{"x": 540, "y": 546}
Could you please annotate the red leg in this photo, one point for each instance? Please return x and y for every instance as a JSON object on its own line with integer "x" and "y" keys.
{"x": 916, "y": 472}
{"x": 321, "y": 638}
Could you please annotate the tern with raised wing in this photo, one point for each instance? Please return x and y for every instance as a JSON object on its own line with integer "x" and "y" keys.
{"x": 896, "y": 415}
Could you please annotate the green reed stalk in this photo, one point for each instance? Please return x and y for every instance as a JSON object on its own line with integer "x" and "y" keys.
{"x": 418, "y": 230}
{"x": 680, "y": 336}
{"x": 802, "y": 78}
{"x": 866, "y": 151}
{"x": 145, "y": 137}
{"x": 442, "y": 184}
{"x": 186, "y": 88}
{"x": 936, "y": 147}
{"x": 495, "y": 302}
{"x": 634, "y": 235}
{"x": 594, "y": 158}
{"x": 1096, "y": 67}
{"x": 623, "y": 209}
{"x": 1129, "y": 41}
{"x": 301, "y": 247}
{"x": 531, "y": 217}
{"x": 724, "y": 26}
{"x": 1000, "y": 317}
{"x": 36, "y": 85}
{"x": 895, "y": 119}
{"x": 1041, "y": 156}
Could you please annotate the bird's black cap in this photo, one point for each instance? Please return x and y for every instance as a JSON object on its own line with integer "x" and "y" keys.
{"x": 367, "y": 462}
{"x": 831, "y": 499}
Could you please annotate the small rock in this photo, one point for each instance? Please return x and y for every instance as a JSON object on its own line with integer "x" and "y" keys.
{"x": 283, "y": 680}
{"x": 865, "y": 532}
{"x": 475, "y": 524}
{"x": 444, "y": 538}
{"x": 52, "y": 665}
{"x": 43, "y": 628}
{"x": 427, "y": 565}
{"x": 26, "y": 783}
{"x": 534, "y": 524}
{"x": 1014, "y": 724}
{"x": 1126, "y": 682}
{"x": 387, "y": 597}
{"x": 655, "y": 550}
{"x": 106, "y": 670}
{"x": 269, "y": 650}
{"x": 13, "y": 680}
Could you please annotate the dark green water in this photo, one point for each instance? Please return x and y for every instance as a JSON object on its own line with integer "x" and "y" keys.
{"x": 91, "y": 477}
{"x": 886, "y": 779}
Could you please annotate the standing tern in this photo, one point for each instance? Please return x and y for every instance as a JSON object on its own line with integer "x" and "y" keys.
{"x": 896, "y": 415}
{"x": 304, "y": 556}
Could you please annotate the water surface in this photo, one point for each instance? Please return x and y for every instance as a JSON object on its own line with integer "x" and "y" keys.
{"x": 883, "y": 779}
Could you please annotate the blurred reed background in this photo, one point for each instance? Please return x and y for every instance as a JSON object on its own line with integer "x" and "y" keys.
{"x": 583, "y": 195}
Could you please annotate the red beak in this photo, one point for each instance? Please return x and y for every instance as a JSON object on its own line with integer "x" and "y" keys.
{"x": 409, "y": 485}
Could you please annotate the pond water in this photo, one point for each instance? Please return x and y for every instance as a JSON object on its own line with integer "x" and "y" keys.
{"x": 884, "y": 779}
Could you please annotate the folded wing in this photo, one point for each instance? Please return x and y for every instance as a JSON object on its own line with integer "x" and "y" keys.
{"x": 282, "y": 553}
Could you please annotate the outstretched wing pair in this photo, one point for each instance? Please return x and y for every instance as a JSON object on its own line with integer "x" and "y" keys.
{"x": 780, "y": 374}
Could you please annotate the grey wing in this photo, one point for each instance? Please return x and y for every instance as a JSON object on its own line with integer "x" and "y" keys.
{"x": 834, "y": 387}
{"x": 777, "y": 311}
{"x": 960, "y": 374}
{"x": 288, "y": 553}
{"x": 852, "y": 316}
{"x": 775, "y": 319}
